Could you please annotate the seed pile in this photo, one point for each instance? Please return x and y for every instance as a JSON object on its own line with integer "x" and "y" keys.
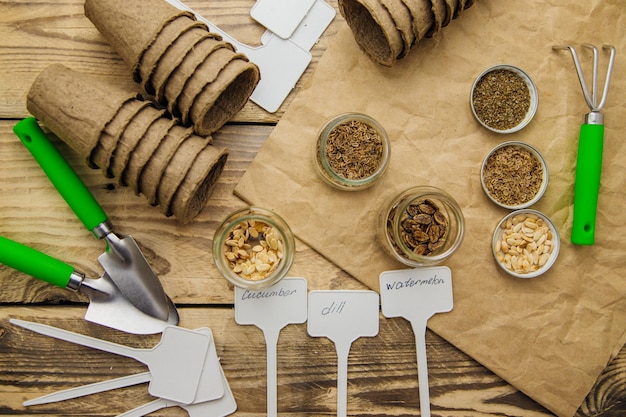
{"x": 501, "y": 99}
{"x": 254, "y": 250}
{"x": 513, "y": 175}
{"x": 526, "y": 243}
{"x": 354, "y": 150}
{"x": 424, "y": 227}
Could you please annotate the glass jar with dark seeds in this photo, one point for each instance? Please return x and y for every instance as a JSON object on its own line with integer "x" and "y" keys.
{"x": 421, "y": 226}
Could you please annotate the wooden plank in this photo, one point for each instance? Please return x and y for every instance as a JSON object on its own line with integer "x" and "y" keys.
{"x": 382, "y": 374}
{"x": 32, "y": 212}
{"x": 37, "y": 33}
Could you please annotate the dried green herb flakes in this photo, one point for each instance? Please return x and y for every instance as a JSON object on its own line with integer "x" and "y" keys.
{"x": 501, "y": 99}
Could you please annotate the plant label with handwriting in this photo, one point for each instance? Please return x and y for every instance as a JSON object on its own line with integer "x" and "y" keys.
{"x": 416, "y": 295}
{"x": 343, "y": 317}
{"x": 271, "y": 309}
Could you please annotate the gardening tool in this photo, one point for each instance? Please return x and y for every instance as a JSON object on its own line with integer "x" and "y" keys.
{"x": 175, "y": 363}
{"x": 106, "y": 307}
{"x": 590, "y": 146}
{"x": 122, "y": 260}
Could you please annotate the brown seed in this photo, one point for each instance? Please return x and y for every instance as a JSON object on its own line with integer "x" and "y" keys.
{"x": 440, "y": 218}
{"x": 426, "y": 208}
{"x": 421, "y": 236}
{"x": 354, "y": 150}
{"x": 513, "y": 175}
{"x": 424, "y": 227}
{"x": 423, "y": 218}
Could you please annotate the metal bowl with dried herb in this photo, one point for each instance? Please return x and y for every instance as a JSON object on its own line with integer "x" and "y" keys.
{"x": 514, "y": 175}
{"x": 525, "y": 243}
{"x": 504, "y": 99}
{"x": 352, "y": 151}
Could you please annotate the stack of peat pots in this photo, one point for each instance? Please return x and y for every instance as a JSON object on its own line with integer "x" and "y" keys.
{"x": 157, "y": 138}
{"x": 177, "y": 61}
{"x": 386, "y": 30}
{"x": 129, "y": 139}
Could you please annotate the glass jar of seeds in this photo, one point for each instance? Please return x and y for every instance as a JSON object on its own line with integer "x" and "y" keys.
{"x": 421, "y": 226}
{"x": 253, "y": 248}
{"x": 352, "y": 151}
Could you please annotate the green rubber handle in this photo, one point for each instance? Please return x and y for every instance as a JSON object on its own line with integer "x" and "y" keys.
{"x": 587, "y": 185}
{"x": 34, "y": 263}
{"x": 60, "y": 173}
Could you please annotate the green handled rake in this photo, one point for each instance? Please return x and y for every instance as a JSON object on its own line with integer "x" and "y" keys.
{"x": 590, "y": 147}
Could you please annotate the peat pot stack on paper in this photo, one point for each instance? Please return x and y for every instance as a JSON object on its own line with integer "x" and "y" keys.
{"x": 386, "y": 30}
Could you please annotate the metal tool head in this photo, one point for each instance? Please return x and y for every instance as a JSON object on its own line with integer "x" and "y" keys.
{"x": 594, "y": 102}
{"x": 108, "y": 307}
{"x": 126, "y": 265}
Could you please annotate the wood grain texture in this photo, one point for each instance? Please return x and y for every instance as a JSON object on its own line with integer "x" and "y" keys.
{"x": 382, "y": 373}
{"x": 37, "y": 33}
{"x": 382, "y": 378}
{"x": 37, "y": 216}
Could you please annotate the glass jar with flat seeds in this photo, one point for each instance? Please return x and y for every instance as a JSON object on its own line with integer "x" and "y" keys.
{"x": 352, "y": 151}
{"x": 253, "y": 248}
{"x": 421, "y": 226}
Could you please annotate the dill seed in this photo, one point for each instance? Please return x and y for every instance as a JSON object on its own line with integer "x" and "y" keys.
{"x": 354, "y": 150}
{"x": 501, "y": 99}
{"x": 513, "y": 175}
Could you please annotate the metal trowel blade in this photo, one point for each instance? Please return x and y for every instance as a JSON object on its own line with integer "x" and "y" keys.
{"x": 124, "y": 262}
{"x": 108, "y": 307}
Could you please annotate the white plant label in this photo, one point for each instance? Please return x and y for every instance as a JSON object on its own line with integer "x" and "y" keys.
{"x": 343, "y": 317}
{"x": 416, "y": 295}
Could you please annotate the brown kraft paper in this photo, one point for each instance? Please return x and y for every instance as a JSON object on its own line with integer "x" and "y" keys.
{"x": 550, "y": 336}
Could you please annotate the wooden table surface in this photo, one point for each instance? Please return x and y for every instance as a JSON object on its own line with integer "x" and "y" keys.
{"x": 382, "y": 378}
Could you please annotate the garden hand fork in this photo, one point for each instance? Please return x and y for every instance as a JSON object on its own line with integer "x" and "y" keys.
{"x": 590, "y": 146}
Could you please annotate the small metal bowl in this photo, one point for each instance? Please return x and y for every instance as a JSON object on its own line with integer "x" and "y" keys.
{"x": 530, "y": 257}
{"x": 507, "y": 177}
{"x": 503, "y": 106}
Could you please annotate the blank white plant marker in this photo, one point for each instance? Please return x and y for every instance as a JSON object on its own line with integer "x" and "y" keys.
{"x": 343, "y": 317}
{"x": 210, "y": 386}
{"x": 213, "y": 398}
{"x": 416, "y": 295}
{"x": 270, "y": 310}
{"x": 281, "y": 16}
{"x": 173, "y": 376}
{"x": 221, "y": 407}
